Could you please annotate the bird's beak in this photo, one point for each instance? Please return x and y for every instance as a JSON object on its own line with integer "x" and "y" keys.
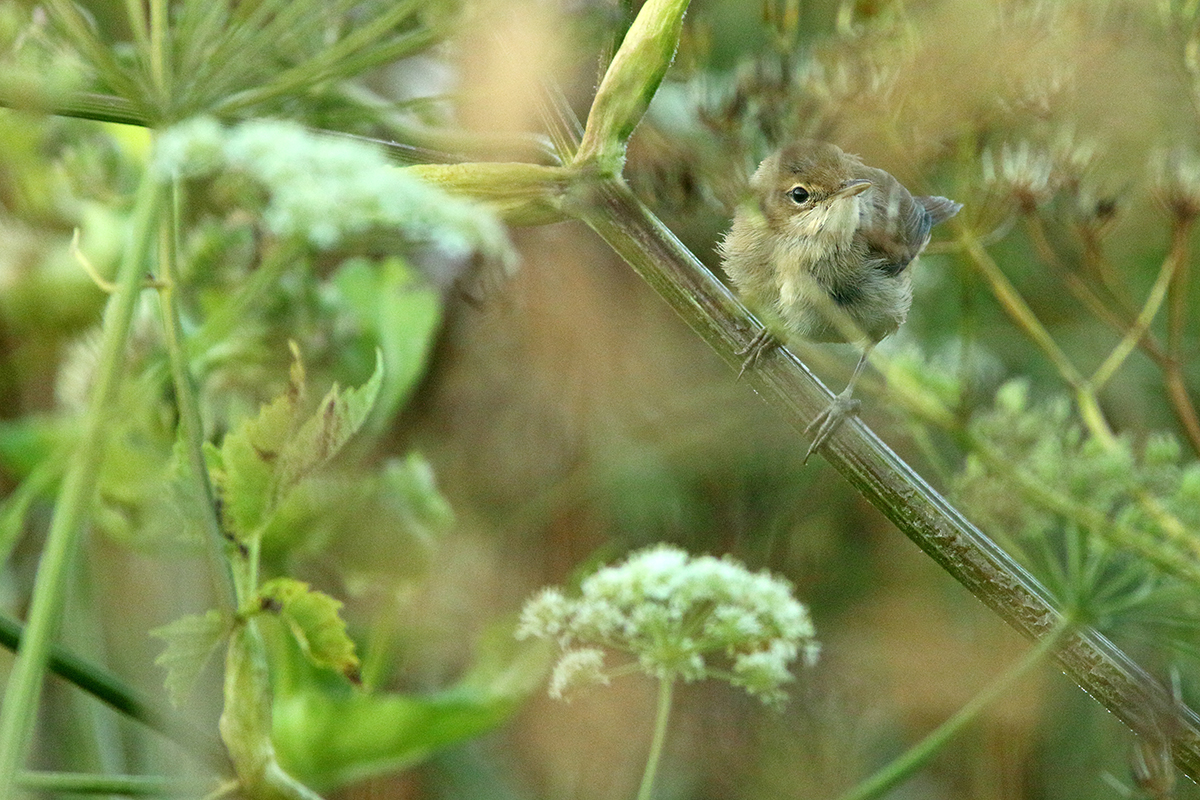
{"x": 852, "y": 187}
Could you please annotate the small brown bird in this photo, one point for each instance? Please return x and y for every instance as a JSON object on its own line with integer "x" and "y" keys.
{"x": 823, "y": 252}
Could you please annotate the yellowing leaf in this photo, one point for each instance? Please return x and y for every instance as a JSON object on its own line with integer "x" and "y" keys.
{"x": 264, "y": 458}
{"x": 248, "y": 458}
{"x": 338, "y": 417}
{"x": 313, "y": 619}
{"x": 190, "y": 643}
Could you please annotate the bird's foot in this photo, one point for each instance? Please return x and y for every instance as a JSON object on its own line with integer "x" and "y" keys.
{"x": 828, "y": 421}
{"x": 763, "y": 342}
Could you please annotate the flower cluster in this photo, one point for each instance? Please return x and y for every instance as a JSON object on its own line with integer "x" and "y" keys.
{"x": 675, "y": 614}
{"x": 323, "y": 189}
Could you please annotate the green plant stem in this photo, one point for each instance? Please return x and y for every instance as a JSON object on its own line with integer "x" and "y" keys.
{"x": 666, "y": 691}
{"x": 160, "y": 56}
{"x": 190, "y": 421}
{"x": 246, "y": 719}
{"x": 1015, "y": 307}
{"x": 1141, "y": 325}
{"x": 40, "y": 481}
{"x": 58, "y": 783}
{"x": 919, "y": 755}
{"x": 1119, "y": 318}
{"x": 1086, "y": 292}
{"x": 111, "y": 690}
{"x": 135, "y": 15}
{"x": 1020, "y": 312}
{"x": 19, "y": 711}
{"x": 1177, "y": 310}
{"x": 884, "y": 479}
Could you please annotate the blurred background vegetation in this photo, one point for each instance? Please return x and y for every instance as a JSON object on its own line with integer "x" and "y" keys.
{"x": 559, "y": 413}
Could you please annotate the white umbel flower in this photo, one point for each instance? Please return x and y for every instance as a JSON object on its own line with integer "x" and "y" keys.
{"x": 677, "y": 617}
{"x": 323, "y": 189}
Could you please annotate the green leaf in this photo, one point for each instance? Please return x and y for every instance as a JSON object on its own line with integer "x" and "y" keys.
{"x": 190, "y": 643}
{"x": 378, "y": 526}
{"x": 337, "y": 418}
{"x": 245, "y": 465}
{"x": 401, "y": 312}
{"x": 328, "y": 738}
{"x": 328, "y": 741}
{"x": 266, "y": 457}
{"x": 313, "y": 619}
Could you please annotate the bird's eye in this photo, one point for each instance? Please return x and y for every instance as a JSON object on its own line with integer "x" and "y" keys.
{"x": 798, "y": 194}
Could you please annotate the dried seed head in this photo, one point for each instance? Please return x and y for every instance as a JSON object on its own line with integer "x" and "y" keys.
{"x": 1094, "y": 210}
{"x": 1177, "y": 183}
{"x": 1072, "y": 160}
{"x": 1024, "y": 173}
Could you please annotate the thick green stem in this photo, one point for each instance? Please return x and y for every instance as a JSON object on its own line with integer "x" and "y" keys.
{"x": 666, "y": 691}
{"x": 76, "y": 495}
{"x": 160, "y": 56}
{"x": 885, "y": 480}
{"x": 246, "y": 720}
{"x": 919, "y": 755}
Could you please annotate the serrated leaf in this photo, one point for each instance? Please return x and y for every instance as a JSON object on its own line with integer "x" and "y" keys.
{"x": 337, "y": 418}
{"x": 314, "y": 620}
{"x": 248, "y": 458}
{"x": 268, "y": 456}
{"x": 190, "y": 643}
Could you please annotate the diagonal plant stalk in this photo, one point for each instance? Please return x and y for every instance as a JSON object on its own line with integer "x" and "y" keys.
{"x": 111, "y": 690}
{"x": 76, "y": 495}
{"x": 969, "y": 555}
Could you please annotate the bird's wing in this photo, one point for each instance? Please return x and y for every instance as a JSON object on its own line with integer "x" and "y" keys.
{"x": 940, "y": 208}
{"x": 894, "y": 226}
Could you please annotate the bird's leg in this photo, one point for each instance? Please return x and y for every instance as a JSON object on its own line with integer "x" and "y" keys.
{"x": 843, "y": 406}
{"x": 762, "y": 342}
